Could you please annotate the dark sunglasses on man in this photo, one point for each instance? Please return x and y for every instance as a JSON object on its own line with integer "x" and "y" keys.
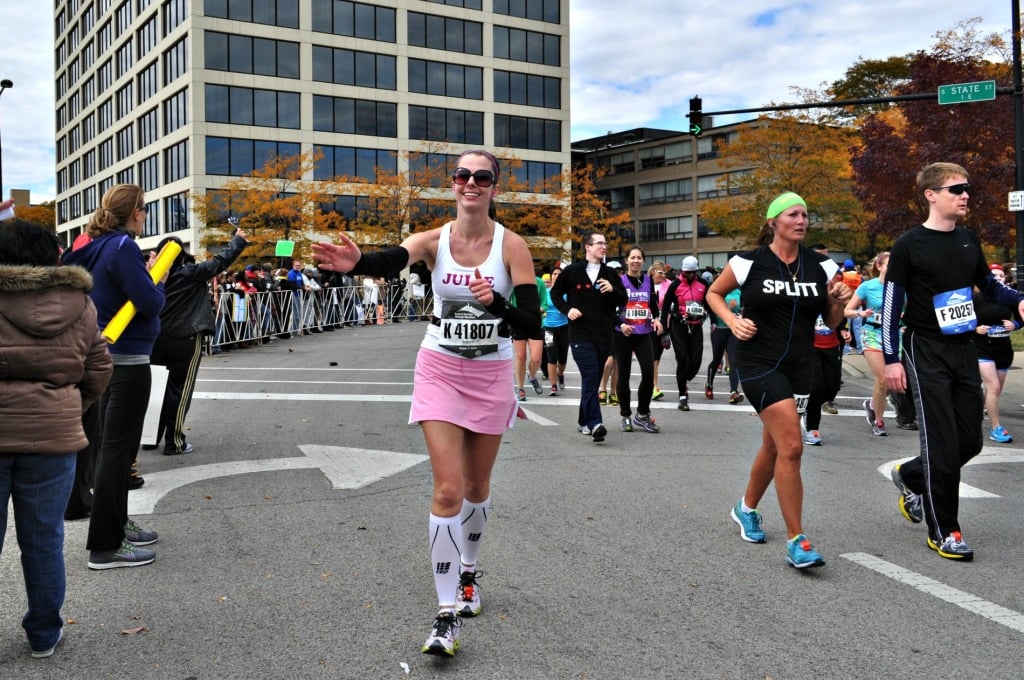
{"x": 955, "y": 189}
{"x": 482, "y": 178}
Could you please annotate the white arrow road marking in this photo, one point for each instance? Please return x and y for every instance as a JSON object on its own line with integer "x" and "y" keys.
{"x": 964, "y": 600}
{"x": 987, "y": 456}
{"x": 347, "y": 468}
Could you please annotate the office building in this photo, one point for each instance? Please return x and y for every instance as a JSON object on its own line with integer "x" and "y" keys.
{"x": 179, "y": 96}
{"x": 661, "y": 177}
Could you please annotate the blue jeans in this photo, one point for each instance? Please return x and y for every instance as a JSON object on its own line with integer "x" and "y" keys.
{"x": 39, "y": 485}
{"x": 589, "y": 358}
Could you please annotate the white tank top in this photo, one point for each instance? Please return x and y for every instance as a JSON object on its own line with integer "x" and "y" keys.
{"x": 450, "y": 283}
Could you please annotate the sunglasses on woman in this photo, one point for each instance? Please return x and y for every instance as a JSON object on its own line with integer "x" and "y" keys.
{"x": 482, "y": 178}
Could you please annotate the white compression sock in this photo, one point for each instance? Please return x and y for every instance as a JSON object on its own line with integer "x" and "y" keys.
{"x": 474, "y": 521}
{"x": 445, "y": 537}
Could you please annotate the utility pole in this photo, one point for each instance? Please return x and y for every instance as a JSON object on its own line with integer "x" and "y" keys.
{"x": 1018, "y": 140}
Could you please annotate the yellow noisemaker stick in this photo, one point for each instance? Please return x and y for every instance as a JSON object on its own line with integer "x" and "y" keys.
{"x": 168, "y": 253}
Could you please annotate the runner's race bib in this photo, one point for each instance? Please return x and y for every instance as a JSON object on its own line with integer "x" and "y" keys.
{"x": 695, "y": 311}
{"x": 637, "y": 313}
{"x": 468, "y": 329}
{"x": 998, "y": 331}
{"x": 954, "y": 311}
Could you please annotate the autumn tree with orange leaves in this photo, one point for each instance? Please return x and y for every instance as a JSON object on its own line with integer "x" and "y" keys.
{"x": 790, "y": 152}
{"x": 42, "y": 214}
{"x": 272, "y": 204}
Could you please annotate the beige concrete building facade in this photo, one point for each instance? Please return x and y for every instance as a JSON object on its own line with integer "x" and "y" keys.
{"x": 661, "y": 177}
{"x": 178, "y": 96}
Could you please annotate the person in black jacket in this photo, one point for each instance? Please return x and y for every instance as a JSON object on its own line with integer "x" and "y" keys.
{"x": 589, "y": 293}
{"x": 186, "y": 318}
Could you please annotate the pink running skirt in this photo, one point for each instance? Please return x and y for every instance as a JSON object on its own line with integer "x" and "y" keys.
{"x": 473, "y": 394}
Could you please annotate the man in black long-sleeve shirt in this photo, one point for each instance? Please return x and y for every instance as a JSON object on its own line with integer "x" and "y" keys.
{"x": 935, "y": 267}
{"x": 588, "y": 293}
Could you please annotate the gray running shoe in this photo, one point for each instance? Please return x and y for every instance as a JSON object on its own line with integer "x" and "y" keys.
{"x": 127, "y": 555}
{"x": 627, "y": 424}
{"x": 869, "y": 412}
{"x": 910, "y": 503}
{"x": 536, "y": 385}
{"x": 136, "y": 535}
{"x": 952, "y": 548}
{"x": 646, "y": 423}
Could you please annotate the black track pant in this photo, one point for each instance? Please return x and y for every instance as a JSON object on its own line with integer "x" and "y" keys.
{"x": 949, "y": 403}
{"x": 181, "y": 356}
{"x": 828, "y": 373}
{"x": 688, "y": 344}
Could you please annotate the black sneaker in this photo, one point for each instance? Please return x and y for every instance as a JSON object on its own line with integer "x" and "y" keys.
{"x": 599, "y": 432}
{"x": 561, "y": 382}
{"x": 683, "y": 405}
{"x": 127, "y": 555}
{"x": 135, "y": 481}
{"x": 188, "y": 448}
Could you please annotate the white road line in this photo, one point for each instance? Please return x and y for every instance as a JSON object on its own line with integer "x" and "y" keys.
{"x": 301, "y": 382}
{"x": 964, "y": 600}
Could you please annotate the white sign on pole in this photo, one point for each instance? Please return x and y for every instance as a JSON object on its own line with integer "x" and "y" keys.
{"x": 1016, "y": 200}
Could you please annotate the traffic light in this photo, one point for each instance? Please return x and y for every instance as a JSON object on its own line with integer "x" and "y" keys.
{"x": 696, "y": 117}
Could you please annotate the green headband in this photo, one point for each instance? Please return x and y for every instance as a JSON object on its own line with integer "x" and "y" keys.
{"x": 784, "y": 201}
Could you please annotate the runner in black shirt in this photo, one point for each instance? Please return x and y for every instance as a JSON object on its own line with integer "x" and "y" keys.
{"x": 935, "y": 267}
{"x": 784, "y": 287}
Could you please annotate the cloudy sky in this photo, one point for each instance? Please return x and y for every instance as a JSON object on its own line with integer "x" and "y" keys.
{"x": 634, "y": 64}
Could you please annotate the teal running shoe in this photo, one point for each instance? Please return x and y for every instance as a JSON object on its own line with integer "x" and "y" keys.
{"x": 750, "y": 523}
{"x": 801, "y": 554}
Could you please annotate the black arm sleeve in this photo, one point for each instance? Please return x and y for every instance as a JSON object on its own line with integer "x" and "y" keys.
{"x": 525, "y": 316}
{"x": 386, "y": 263}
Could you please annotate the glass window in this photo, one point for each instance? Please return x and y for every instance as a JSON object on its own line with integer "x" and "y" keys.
{"x": 216, "y": 48}
{"x": 288, "y": 110}
{"x": 217, "y": 107}
{"x": 264, "y": 57}
{"x": 240, "y": 53}
{"x": 242, "y": 161}
{"x": 218, "y": 156}
{"x": 241, "y": 105}
{"x": 288, "y": 59}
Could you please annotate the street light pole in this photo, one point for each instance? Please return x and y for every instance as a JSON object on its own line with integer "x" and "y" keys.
{"x": 1018, "y": 139}
{"x": 4, "y": 84}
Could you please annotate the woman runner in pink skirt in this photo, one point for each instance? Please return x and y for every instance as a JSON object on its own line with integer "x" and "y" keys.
{"x": 461, "y": 396}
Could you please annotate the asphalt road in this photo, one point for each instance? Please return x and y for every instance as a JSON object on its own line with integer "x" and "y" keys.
{"x": 286, "y": 551}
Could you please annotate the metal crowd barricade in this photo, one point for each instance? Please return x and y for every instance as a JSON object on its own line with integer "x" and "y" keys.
{"x": 255, "y": 318}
